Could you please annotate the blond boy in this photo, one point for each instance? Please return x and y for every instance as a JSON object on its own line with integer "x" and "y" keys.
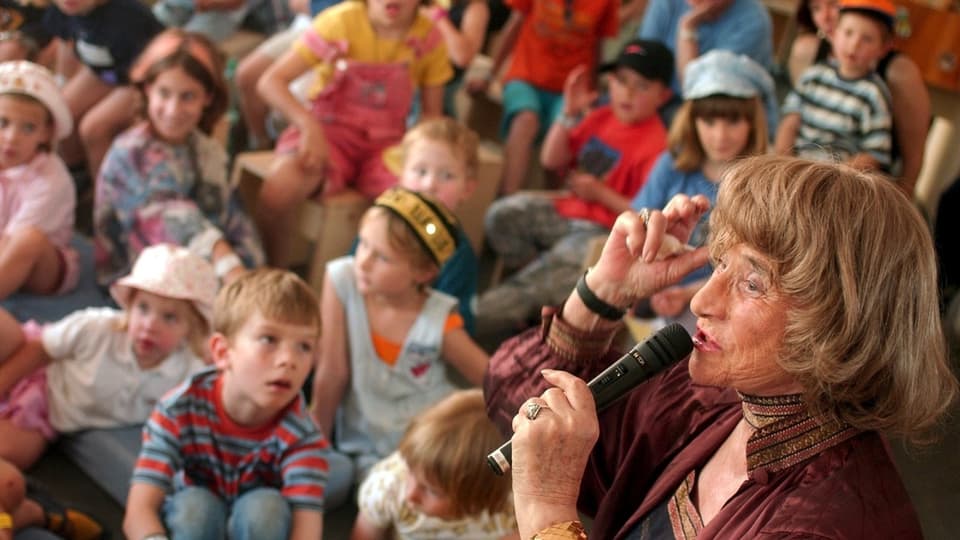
{"x": 233, "y": 452}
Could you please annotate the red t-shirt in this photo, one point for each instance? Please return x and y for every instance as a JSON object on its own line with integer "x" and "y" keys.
{"x": 552, "y": 42}
{"x": 619, "y": 154}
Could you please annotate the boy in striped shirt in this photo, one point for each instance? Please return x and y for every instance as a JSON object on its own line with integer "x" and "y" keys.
{"x": 233, "y": 452}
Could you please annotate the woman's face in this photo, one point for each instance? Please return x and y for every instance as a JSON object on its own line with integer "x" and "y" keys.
{"x": 722, "y": 139}
{"x": 741, "y": 319}
{"x": 824, "y": 14}
{"x": 175, "y": 104}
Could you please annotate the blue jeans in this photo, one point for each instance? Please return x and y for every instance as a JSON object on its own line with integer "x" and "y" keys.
{"x": 196, "y": 513}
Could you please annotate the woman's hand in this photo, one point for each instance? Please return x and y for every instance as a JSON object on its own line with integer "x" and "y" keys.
{"x": 550, "y": 452}
{"x": 640, "y": 259}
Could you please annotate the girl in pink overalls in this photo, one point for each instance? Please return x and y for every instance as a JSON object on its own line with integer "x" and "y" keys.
{"x": 368, "y": 59}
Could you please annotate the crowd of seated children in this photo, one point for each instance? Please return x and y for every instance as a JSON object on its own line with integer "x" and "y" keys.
{"x": 388, "y": 337}
{"x": 437, "y": 483}
{"x": 727, "y": 99}
{"x": 165, "y": 179}
{"x": 839, "y": 110}
{"x": 606, "y": 155}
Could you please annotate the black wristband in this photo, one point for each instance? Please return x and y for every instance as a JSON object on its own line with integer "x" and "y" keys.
{"x": 595, "y": 304}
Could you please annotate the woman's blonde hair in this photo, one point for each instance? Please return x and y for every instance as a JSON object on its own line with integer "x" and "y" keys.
{"x": 856, "y": 262}
{"x": 448, "y": 444}
{"x": 278, "y": 295}
{"x": 402, "y": 238}
{"x": 683, "y": 142}
{"x": 462, "y": 140}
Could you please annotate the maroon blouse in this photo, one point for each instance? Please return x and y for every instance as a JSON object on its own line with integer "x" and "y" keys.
{"x": 807, "y": 476}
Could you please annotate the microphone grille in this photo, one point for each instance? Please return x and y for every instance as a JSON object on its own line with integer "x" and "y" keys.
{"x": 669, "y": 345}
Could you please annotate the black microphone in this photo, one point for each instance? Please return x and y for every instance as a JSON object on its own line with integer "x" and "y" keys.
{"x": 656, "y": 353}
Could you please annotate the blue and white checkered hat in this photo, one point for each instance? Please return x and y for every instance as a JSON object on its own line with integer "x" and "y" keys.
{"x": 725, "y": 73}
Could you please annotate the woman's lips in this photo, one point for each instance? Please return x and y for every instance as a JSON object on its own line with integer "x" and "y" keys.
{"x": 703, "y": 342}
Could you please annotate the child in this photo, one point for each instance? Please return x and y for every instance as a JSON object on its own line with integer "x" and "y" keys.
{"x": 37, "y": 198}
{"x": 22, "y": 34}
{"x": 386, "y": 334}
{"x": 107, "y": 367}
{"x": 369, "y": 58}
{"x": 547, "y": 42}
{"x": 165, "y": 179}
{"x": 723, "y": 118}
{"x": 440, "y": 159}
{"x": 233, "y": 450}
{"x": 840, "y": 110}
{"x": 437, "y": 484}
{"x": 99, "y": 95}
{"x": 610, "y": 153}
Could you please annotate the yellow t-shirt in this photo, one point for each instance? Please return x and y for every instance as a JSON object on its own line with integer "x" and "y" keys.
{"x": 347, "y": 26}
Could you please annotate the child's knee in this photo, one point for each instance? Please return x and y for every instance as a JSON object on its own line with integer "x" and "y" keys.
{"x": 286, "y": 184}
{"x": 195, "y": 512}
{"x": 26, "y": 241}
{"x": 525, "y": 123}
{"x": 260, "y": 513}
{"x": 12, "y": 486}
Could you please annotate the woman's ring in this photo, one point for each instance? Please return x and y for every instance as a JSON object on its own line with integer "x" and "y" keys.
{"x": 532, "y": 410}
{"x": 644, "y": 214}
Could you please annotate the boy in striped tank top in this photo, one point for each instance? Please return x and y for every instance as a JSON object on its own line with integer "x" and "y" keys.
{"x": 233, "y": 452}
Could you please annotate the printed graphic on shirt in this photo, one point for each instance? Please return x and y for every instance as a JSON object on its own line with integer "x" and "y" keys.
{"x": 421, "y": 358}
{"x": 94, "y": 55}
{"x": 597, "y": 158}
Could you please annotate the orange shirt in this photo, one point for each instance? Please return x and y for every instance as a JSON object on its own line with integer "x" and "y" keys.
{"x": 552, "y": 41}
{"x": 389, "y": 351}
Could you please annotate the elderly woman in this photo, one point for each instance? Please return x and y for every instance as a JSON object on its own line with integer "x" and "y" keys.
{"x": 910, "y": 101}
{"x": 818, "y": 331}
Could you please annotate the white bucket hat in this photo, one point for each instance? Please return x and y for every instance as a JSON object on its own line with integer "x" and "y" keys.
{"x": 174, "y": 272}
{"x": 29, "y": 79}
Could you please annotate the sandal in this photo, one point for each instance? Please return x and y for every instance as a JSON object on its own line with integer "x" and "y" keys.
{"x": 67, "y": 523}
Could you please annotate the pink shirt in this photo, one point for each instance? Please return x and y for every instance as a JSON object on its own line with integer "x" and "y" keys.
{"x": 39, "y": 194}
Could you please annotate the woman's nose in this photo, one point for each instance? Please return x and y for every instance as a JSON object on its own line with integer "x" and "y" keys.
{"x": 706, "y": 302}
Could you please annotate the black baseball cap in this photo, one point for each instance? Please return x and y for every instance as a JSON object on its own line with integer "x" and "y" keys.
{"x": 652, "y": 59}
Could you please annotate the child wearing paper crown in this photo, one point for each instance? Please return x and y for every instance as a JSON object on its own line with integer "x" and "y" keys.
{"x": 37, "y": 196}
{"x": 387, "y": 335}
{"x": 232, "y": 452}
{"x": 105, "y": 367}
{"x": 840, "y": 109}
{"x": 606, "y": 157}
{"x": 437, "y": 484}
{"x": 728, "y": 100}
{"x": 165, "y": 179}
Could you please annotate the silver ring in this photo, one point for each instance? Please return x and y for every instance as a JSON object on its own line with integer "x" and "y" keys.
{"x": 644, "y": 214}
{"x": 532, "y": 410}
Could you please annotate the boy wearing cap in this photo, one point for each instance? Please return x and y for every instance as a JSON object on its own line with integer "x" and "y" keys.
{"x": 545, "y": 40}
{"x": 233, "y": 453}
{"x": 840, "y": 109}
{"x": 37, "y": 197}
{"x": 606, "y": 158}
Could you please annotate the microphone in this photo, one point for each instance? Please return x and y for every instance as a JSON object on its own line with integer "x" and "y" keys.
{"x": 644, "y": 360}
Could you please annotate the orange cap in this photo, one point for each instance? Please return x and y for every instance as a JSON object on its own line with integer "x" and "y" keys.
{"x": 883, "y": 8}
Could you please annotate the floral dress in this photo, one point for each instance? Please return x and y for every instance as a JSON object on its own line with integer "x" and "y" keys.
{"x": 149, "y": 192}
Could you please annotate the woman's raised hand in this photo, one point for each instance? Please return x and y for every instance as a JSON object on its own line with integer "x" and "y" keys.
{"x": 642, "y": 256}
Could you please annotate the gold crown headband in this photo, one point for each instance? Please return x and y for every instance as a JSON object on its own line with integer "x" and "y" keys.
{"x": 434, "y": 226}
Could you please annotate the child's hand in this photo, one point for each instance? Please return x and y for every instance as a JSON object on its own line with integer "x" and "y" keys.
{"x": 577, "y": 94}
{"x": 670, "y": 302}
{"x": 477, "y": 87}
{"x": 584, "y": 185}
{"x": 312, "y": 151}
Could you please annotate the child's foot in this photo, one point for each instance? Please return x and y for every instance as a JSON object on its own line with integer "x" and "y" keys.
{"x": 67, "y": 523}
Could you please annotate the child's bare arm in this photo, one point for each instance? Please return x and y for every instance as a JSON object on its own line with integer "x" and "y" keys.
{"x": 24, "y": 361}
{"x": 306, "y": 525}
{"x": 274, "y": 87}
{"x": 787, "y": 134}
{"x": 578, "y": 96}
{"x": 463, "y": 43}
{"x": 431, "y": 101}
{"x": 333, "y": 368}
{"x": 364, "y": 530}
{"x": 142, "y": 515}
{"x": 464, "y": 354}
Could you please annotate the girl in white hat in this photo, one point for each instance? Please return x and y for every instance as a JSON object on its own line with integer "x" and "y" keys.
{"x": 105, "y": 367}
{"x": 36, "y": 191}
